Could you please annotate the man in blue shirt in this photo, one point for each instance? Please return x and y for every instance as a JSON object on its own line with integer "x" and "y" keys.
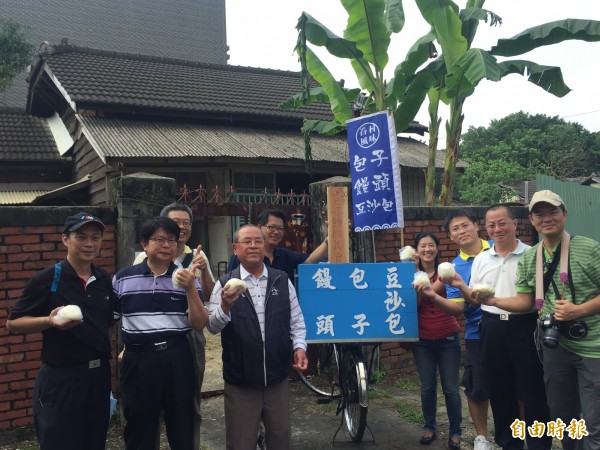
{"x": 463, "y": 228}
{"x": 272, "y": 224}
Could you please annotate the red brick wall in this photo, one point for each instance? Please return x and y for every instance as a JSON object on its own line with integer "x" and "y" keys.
{"x": 394, "y": 356}
{"x": 30, "y": 240}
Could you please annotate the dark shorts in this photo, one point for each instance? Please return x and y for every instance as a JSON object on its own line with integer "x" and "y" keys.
{"x": 474, "y": 379}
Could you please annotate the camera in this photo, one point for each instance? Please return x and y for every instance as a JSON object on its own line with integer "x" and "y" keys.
{"x": 552, "y": 328}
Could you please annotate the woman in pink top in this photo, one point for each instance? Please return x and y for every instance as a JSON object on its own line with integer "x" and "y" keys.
{"x": 438, "y": 349}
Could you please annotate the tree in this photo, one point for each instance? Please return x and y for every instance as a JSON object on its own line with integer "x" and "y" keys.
{"x": 465, "y": 66}
{"x": 15, "y": 51}
{"x": 517, "y": 147}
{"x": 454, "y": 74}
{"x": 365, "y": 44}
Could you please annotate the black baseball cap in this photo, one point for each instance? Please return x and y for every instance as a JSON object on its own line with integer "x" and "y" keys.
{"x": 76, "y": 221}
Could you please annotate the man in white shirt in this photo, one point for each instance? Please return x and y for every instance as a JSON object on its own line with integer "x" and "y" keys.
{"x": 512, "y": 366}
{"x": 256, "y": 336}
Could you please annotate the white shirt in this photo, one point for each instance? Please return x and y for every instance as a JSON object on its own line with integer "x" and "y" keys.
{"x": 257, "y": 290}
{"x": 498, "y": 271}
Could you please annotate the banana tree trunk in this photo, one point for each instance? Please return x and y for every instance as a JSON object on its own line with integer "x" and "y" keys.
{"x": 434, "y": 128}
{"x": 453, "y": 133}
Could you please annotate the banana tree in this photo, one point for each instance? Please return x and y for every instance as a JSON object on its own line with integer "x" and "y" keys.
{"x": 365, "y": 44}
{"x": 465, "y": 67}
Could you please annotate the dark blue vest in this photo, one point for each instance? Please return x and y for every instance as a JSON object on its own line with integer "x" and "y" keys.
{"x": 246, "y": 360}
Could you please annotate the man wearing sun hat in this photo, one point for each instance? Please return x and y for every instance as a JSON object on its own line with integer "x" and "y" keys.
{"x": 561, "y": 277}
{"x": 72, "y": 390}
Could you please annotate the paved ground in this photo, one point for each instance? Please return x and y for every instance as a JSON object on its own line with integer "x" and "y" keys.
{"x": 394, "y": 418}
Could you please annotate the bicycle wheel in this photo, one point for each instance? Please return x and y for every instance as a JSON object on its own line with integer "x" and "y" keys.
{"x": 324, "y": 380}
{"x": 355, "y": 392}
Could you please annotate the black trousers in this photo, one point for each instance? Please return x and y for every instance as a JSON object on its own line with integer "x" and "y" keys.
{"x": 71, "y": 407}
{"x": 514, "y": 373}
{"x": 152, "y": 381}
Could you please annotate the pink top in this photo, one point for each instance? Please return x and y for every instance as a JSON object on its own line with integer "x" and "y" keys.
{"x": 433, "y": 322}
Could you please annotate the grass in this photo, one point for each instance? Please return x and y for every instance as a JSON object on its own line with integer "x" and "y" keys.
{"x": 409, "y": 383}
{"x": 377, "y": 376}
{"x": 409, "y": 411}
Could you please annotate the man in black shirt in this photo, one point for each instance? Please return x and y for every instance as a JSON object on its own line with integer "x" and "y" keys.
{"x": 72, "y": 390}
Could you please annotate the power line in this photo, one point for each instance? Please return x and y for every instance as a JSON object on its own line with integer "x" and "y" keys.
{"x": 582, "y": 114}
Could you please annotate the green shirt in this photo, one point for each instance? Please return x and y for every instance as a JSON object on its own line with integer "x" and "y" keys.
{"x": 584, "y": 262}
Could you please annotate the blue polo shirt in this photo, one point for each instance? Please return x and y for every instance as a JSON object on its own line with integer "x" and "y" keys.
{"x": 283, "y": 259}
{"x": 462, "y": 264}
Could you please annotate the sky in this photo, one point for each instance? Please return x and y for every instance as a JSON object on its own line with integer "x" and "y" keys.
{"x": 262, "y": 34}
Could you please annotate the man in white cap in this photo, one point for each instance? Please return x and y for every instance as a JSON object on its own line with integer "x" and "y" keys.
{"x": 561, "y": 277}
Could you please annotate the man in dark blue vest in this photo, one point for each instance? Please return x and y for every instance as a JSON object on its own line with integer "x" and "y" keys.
{"x": 259, "y": 329}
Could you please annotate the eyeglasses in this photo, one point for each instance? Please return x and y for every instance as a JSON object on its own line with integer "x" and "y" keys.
{"x": 248, "y": 242}
{"x": 185, "y": 223}
{"x": 163, "y": 241}
{"x": 274, "y": 228}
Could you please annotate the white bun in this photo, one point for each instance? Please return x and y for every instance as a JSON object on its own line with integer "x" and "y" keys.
{"x": 70, "y": 312}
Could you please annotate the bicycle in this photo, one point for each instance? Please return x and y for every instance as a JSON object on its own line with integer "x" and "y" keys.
{"x": 340, "y": 373}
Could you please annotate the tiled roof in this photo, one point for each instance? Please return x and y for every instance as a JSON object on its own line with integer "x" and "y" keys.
{"x": 115, "y": 138}
{"x": 102, "y": 79}
{"x": 25, "y": 138}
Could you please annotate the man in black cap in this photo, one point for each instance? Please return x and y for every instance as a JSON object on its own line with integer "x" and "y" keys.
{"x": 72, "y": 390}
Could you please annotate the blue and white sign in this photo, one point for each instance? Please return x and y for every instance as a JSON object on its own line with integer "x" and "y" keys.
{"x": 372, "y": 302}
{"x": 375, "y": 172}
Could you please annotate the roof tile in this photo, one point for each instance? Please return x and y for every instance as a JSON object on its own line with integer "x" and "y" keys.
{"x": 25, "y": 138}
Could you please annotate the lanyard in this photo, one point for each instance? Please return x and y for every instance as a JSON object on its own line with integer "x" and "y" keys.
{"x": 542, "y": 281}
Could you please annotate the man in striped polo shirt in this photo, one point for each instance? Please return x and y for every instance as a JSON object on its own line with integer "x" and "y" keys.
{"x": 561, "y": 276}
{"x": 157, "y": 371}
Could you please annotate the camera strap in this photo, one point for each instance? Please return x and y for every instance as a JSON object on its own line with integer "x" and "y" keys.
{"x": 543, "y": 280}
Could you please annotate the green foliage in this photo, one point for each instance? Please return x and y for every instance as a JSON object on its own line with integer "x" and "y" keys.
{"x": 15, "y": 51}
{"x": 409, "y": 411}
{"x": 519, "y": 146}
{"x": 377, "y": 376}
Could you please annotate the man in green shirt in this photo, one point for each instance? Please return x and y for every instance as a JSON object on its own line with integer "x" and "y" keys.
{"x": 565, "y": 284}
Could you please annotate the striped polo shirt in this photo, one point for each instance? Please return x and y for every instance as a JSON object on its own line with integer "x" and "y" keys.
{"x": 584, "y": 264}
{"x": 151, "y": 309}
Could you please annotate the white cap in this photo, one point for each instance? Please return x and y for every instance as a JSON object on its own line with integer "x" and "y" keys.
{"x": 545, "y": 196}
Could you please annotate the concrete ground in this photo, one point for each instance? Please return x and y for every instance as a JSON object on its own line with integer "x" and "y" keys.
{"x": 394, "y": 417}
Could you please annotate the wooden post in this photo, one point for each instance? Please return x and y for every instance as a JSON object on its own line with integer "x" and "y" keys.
{"x": 337, "y": 217}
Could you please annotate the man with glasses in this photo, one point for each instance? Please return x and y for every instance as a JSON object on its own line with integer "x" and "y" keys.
{"x": 184, "y": 256}
{"x": 560, "y": 276}
{"x": 157, "y": 372}
{"x": 513, "y": 369}
{"x": 272, "y": 223}
{"x": 257, "y": 328}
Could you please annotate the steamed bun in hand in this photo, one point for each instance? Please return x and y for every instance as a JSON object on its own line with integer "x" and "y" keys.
{"x": 484, "y": 290}
{"x": 446, "y": 271}
{"x": 235, "y": 284}
{"x": 70, "y": 312}
{"x": 406, "y": 253}
{"x": 421, "y": 280}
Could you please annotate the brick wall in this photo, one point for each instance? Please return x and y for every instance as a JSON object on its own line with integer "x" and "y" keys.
{"x": 394, "y": 356}
{"x": 30, "y": 240}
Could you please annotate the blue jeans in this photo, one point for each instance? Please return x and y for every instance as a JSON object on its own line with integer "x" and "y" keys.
{"x": 443, "y": 354}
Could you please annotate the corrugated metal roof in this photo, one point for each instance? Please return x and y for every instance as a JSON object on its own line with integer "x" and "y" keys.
{"x": 120, "y": 138}
{"x": 19, "y": 197}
